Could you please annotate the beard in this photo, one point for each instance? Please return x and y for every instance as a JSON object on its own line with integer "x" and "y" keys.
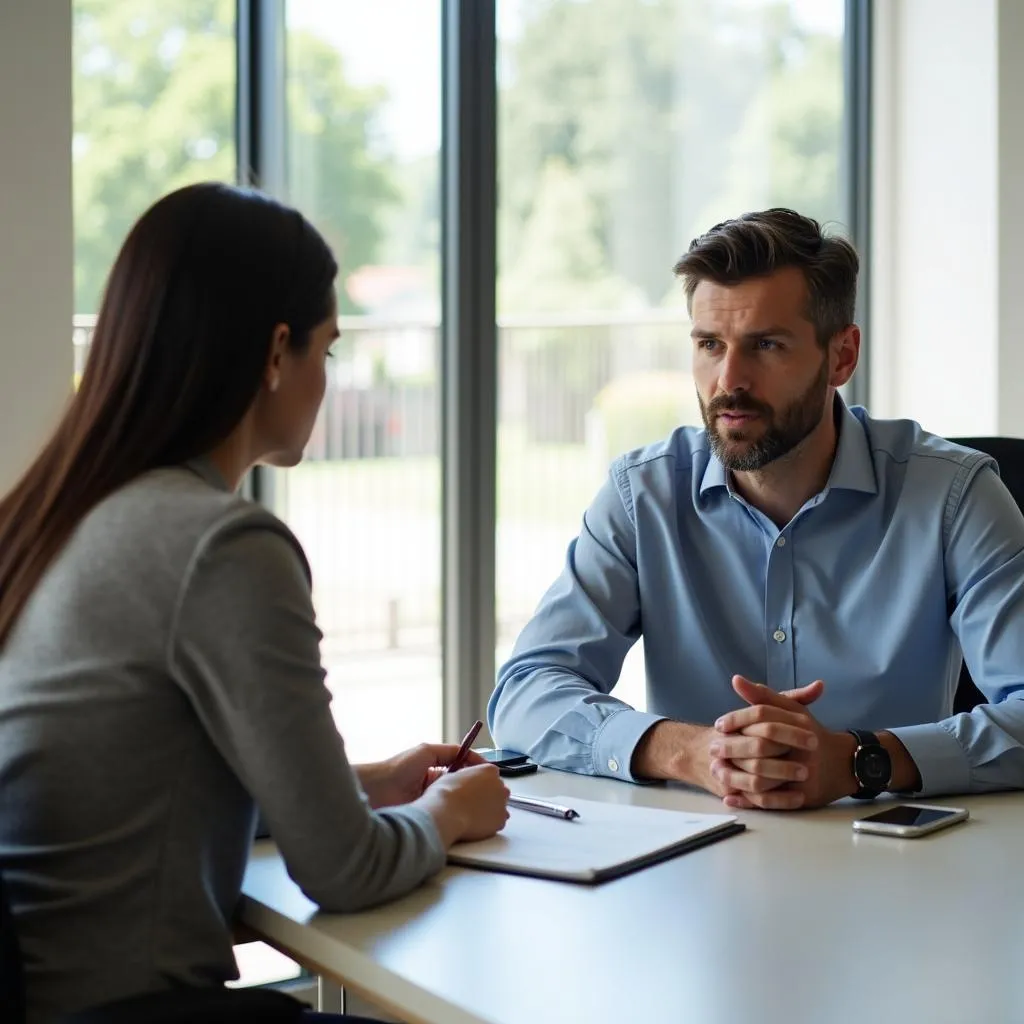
{"x": 783, "y": 429}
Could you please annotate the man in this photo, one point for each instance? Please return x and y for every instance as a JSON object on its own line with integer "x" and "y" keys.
{"x": 797, "y": 570}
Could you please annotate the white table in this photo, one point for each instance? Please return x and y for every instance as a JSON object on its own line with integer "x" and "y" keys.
{"x": 795, "y": 920}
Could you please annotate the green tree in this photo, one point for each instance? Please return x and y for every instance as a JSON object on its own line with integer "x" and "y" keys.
{"x": 154, "y": 98}
{"x": 413, "y": 224}
{"x": 562, "y": 263}
{"x": 786, "y": 151}
{"x": 154, "y": 109}
{"x": 665, "y": 111}
{"x": 562, "y": 266}
{"x": 591, "y": 84}
{"x": 339, "y": 174}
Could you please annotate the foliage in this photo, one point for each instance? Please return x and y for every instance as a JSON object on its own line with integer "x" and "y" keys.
{"x": 339, "y": 172}
{"x": 625, "y": 128}
{"x": 154, "y": 109}
{"x": 562, "y": 264}
{"x": 671, "y": 115}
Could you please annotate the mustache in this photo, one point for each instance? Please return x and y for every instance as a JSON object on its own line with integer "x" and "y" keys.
{"x": 737, "y": 403}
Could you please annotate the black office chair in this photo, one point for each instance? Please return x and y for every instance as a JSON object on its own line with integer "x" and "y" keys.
{"x": 12, "y": 981}
{"x": 1009, "y": 454}
{"x": 215, "y": 1006}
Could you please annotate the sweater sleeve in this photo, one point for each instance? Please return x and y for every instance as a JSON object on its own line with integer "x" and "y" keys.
{"x": 245, "y": 648}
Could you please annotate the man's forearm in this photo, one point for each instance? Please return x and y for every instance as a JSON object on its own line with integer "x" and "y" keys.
{"x": 674, "y": 750}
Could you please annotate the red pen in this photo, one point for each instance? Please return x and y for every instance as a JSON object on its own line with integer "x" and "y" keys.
{"x": 459, "y": 761}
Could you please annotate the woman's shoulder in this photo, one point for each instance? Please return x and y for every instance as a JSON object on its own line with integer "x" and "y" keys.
{"x": 174, "y": 516}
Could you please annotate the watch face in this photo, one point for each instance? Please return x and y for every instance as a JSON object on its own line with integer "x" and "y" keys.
{"x": 873, "y": 767}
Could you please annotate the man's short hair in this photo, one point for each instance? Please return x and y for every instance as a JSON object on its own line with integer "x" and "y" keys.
{"x": 757, "y": 244}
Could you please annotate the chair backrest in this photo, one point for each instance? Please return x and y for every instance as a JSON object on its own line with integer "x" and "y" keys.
{"x": 1009, "y": 454}
{"x": 12, "y": 980}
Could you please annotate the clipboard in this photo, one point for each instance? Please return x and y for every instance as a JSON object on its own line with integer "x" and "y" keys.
{"x": 606, "y": 841}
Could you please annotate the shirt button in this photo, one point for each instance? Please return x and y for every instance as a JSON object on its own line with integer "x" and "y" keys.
{"x": 779, "y": 635}
{"x": 781, "y": 542}
{"x": 613, "y": 765}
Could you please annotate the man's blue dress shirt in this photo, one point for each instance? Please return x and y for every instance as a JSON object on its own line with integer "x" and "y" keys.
{"x": 912, "y": 553}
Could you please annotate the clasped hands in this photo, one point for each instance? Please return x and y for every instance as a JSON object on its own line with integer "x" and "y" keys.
{"x": 775, "y": 755}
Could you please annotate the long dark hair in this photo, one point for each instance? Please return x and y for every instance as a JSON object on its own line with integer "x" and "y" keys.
{"x": 177, "y": 358}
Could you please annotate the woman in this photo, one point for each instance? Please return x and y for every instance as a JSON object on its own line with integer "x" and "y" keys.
{"x": 160, "y": 672}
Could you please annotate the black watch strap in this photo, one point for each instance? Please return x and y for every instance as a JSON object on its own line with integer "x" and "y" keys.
{"x": 868, "y": 742}
{"x": 864, "y": 738}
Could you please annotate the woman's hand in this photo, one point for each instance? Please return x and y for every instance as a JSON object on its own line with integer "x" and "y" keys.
{"x": 469, "y": 804}
{"x": 406, "y": 776}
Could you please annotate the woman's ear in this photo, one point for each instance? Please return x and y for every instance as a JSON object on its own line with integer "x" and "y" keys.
{"x": 275, "y": 359}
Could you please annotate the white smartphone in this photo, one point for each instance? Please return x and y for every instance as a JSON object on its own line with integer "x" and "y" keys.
{"x": 908, "y": 821}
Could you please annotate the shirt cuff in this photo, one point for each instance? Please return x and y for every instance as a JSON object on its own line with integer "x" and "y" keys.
{"x": 616, "y": 740}
{"x": 941, "y": 761}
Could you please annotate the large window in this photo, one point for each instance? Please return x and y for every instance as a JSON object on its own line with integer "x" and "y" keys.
{"x": 626, "y": 127}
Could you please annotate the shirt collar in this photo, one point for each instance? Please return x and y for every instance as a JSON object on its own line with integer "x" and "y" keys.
{"x": 852, "y": 468}
{"x": 714, "y": 473}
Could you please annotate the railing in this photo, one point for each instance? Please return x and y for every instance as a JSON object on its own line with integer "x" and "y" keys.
{"x": 382, "y": 397}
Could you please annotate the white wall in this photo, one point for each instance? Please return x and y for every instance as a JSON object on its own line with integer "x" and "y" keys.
{"x": 947, "y": 266}
{"x": 36, "y": 238}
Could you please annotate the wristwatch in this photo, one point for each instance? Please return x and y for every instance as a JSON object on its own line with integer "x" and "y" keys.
{"x": 872, "y": 765}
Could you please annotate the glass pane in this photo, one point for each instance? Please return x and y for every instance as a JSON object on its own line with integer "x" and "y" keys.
{"x": 627, "y": 127}
{"x": 364, "y": 136}
{"x": 154, "y": 109}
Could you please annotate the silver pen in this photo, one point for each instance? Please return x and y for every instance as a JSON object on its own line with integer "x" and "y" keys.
{"x": 530, "y": 803}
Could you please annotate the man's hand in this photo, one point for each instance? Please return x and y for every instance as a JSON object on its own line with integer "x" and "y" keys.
{"x": 814, "y": 767}
{"x": 404, "y": 777}
{"x": 681, "y": 751}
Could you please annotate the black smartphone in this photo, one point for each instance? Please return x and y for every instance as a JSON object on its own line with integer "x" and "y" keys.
{"x": 502, "y": 758}
{"x": 509, "y": 762}
{"x": 526, "y": 768}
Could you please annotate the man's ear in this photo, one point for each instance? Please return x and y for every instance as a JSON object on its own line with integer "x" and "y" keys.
{"x": 279, "y": 340}
{"x": 844, "y": 352}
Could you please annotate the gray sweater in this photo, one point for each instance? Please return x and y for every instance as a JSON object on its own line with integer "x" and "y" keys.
{"x": 166, "y": 672}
